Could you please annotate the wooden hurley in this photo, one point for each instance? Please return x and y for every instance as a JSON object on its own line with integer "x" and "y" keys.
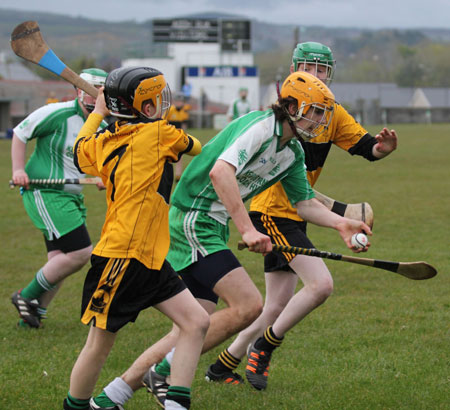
{"x": 411, "y": 270}
{"x": 27, "y": 42}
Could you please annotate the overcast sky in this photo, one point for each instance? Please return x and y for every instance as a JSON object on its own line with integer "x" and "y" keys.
{"x": 373, "y": 14}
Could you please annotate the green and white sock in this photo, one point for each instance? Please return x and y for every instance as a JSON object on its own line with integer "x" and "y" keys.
{"x": 103, "y": 401}
{"x": 116, "y": 392}
{"x": 163, "y": 368}
{"x": 38, "y": 286}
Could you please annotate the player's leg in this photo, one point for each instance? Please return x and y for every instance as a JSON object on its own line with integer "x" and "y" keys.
{"x": 88, "y": 366}
{"x": 318, "y": 285}
{"x": 142, "y": 288}
{"x": 280, "y": 287}
{"x": 157, "y": 352}
{"x": 213, "y": 276}
{"x": 68, "y": 248}
{"x": 104, "y": 308}
{"x": 192, "y": 322}
{"x": 157, "y": 376}
{"x": 66, "y": 255}
{"x": 243, "y": 305}
{"x": 200, "y": 249}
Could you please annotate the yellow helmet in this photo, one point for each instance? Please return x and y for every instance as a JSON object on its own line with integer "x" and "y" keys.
{"x": 310, "y": 94}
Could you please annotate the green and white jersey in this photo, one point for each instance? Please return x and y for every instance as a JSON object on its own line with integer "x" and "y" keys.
{"x": 55, "y": 127}
{"x": 252, "y": 145}
{"x": 239, "y": 108}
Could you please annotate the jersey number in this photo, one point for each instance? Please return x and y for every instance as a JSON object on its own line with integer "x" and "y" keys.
{"x": 116, "y": 153}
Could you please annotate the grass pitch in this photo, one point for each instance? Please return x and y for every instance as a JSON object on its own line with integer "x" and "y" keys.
{"x": 381, "y": 341}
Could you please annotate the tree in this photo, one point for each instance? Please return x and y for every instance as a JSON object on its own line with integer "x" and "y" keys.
{"x": 410, "y": 71}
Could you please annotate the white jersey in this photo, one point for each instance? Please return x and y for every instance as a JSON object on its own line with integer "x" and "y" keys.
{"x": 238, "y": 108}
{"x": 252, "y": 145}
{"x": 55, "y": 126}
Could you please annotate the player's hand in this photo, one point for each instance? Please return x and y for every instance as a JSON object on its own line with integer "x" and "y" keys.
{"x": 386, "y": 141}
{"x": 20, "y": 177}
{"x": 100, "y": 104}
{"x": 348, "y": 227}
{"x": 257, "y": 242}
{"x": 100, "y": 186}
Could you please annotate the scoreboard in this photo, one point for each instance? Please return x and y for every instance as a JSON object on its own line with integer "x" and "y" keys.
{"x": 233, "y": 35}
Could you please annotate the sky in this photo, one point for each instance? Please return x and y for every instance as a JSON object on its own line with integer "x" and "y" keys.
{"x": 372, "y": 14}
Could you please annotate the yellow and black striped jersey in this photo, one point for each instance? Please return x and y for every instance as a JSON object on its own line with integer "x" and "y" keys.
{"x": 345, "y": 132}
{"x": 132, "y": 158}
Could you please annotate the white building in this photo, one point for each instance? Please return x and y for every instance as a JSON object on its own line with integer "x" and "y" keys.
{"x": 207, "y": 66}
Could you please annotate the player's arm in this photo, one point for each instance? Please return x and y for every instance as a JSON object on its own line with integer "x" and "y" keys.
{"x": 223, "y": 178}
{"x": 182, "y": 143}
{"x": 84, "y": 149}
{"x": 361, "y": 211}
{"x": 194, "y": 146}
{"x": 18, "y": 160}
{"x": 311, "y": 210}
{"x": 352, "y": 137}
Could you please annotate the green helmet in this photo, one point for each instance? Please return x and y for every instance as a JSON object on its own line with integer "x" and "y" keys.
{"x": 95, "y": 77}
{"x": 314, "y": 53}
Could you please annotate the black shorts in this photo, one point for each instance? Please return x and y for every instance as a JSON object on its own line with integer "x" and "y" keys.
{"x": 72, "y": 241}
{"x": 202, "y": 276}
{"x": 116, "y": 290}
{"x": 282, "y": 231}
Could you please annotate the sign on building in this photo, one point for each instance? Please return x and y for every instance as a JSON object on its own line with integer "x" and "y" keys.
{"x": 221, "y": 71}
{"x": 232, "y": 35}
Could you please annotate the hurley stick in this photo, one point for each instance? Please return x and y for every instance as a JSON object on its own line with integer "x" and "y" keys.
{"x": 27, "y": 42}
{"x": 411, "y": 270}
{"x": 61, "y": 181}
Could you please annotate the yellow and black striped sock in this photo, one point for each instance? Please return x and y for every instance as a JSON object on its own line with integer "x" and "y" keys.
{"x": 225, "y": 362}
{"x": 269, "y": 341}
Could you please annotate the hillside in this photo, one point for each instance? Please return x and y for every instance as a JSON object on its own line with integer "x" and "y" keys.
{"x": 362, "y": 55}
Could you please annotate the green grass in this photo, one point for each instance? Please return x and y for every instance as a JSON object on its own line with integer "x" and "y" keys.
{"x": 381, "y": 341}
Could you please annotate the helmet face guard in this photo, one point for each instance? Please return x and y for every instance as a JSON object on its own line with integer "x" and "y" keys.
{"x": 317, "y": 54}
{"x": 95, "y": 77}
{"x": 128, "y": 88}
{"x": 314, "y": 101}
{"x": 317, "y": 118}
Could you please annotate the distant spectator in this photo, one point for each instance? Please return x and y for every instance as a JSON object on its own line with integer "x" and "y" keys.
{"x": 187, "y": 91}
{"x": 179, "y": 116}
{"x": 240, "y": 106}
{"x": 51, "y": 98}
{"x": 203, "y": 99}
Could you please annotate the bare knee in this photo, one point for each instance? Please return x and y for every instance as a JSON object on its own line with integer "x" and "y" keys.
{"x": 79, "y": 258}
{"x": 198, "y": 323}
{"x": 201, "y": 322}
{"x": 249, "y": 310}
{"x": 321, "y": 289}
{"x": 273, "y": 310}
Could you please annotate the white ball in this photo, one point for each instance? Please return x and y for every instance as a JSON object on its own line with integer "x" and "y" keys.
{"x": 359, "y": 240}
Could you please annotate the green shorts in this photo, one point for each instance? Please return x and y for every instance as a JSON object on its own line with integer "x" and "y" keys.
{"x": 193, "y": 233}
{"x": 55, "y": 213}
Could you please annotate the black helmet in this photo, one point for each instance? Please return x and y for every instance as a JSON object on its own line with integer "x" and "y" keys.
{"x": 126, "y": 88}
